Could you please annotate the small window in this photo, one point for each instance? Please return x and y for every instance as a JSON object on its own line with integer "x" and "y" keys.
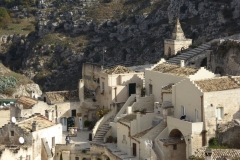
{"x": 76, "y": 158}
{"x": 219, "y": 113}
{"x": 124, "y": 137}
{"x": 174, "y": 147}
{"x": 196, "y": 115}
{"x": 12, "y": 133}
{"x": 74, "y": 113}
{"x": 183, "y": 111}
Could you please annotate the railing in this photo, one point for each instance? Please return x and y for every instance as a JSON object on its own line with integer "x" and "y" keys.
{"x": 101, "y": 121}
{"x": 130, "y": 100}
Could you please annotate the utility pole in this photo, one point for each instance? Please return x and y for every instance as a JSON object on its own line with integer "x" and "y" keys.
{"x": 104, "y": 50}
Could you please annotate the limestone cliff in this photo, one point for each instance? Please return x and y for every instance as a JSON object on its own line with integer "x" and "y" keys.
{"x": 225, "y": 58}
{"x": 127, "y": 32}
{"x": 13, "y": 85}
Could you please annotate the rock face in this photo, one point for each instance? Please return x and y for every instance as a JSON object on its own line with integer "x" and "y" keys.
{"x": 72, "y": 32}
{"x": 29, "y": 90}
{"x": 23, "y": 86}
{"x": 225, "y": 58}
{"x": 230, "y": 137}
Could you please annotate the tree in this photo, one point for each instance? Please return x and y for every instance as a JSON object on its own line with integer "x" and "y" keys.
{"x": 4, "y": 17}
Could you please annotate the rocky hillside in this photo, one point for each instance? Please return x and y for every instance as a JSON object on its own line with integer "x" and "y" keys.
{"x": 69, "y": 33}
{"x": 13, "y": 85}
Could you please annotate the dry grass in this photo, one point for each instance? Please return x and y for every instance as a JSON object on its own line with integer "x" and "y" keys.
{"x": 4, "y": 71}
{"x": 19, "y": 28}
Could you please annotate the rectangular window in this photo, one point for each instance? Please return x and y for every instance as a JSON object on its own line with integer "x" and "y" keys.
{"x": 219, "y": 113}
{"x": 183, "y": 111}
{"x": 196, "y": 115}
{"x": 174, "y": 147}
{"x": 102, "y": 86}
{"x": 53, "y": 141}
{"x": 76, "y": 158}
{"x": 74, "y": 113}
{"x": 12, "y": 133}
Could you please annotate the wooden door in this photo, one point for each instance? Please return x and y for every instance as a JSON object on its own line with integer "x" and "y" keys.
{"x": 134, "y": 149}
{"x": 132, "y": 89}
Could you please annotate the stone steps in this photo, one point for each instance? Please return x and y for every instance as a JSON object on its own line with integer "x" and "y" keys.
{"x": 189, "y": 54}
{"x": 98, "y": 138}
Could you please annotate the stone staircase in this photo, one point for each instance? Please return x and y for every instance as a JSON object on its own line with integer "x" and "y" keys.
{"x": 159, "y": 128}
{"x": 98, "y": 138}
{"x": 189, "y": 54}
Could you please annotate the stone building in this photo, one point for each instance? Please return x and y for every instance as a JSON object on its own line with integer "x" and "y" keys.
{"x": 64, "y": 106}
{"x": 32, "y": 138}
{"x": 177, "y": 42}
{"x": 109, "y": 86}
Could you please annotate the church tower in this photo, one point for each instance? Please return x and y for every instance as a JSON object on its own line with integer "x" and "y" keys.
{"x": 177, "y": 42}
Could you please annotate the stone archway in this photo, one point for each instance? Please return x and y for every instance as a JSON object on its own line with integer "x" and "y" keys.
{"x": 178, "y": 149}
{"x": 182, "y": 49}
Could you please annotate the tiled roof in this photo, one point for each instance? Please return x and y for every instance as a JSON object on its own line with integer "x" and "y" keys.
{"x": 217, "y": 84}
{"x": 140, "y": 134}
{"x": 168, "y": 87}
{"x": 174, "y": 69}
{"x": 119, "y": 70}
{"x": 62, "y": 96}
{"x": 40, "y": 120}
{"x": 27, "y": 102}
{"x": 128, "y": 118}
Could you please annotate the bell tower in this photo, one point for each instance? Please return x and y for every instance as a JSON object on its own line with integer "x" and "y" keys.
{"x": 177, "y": 42}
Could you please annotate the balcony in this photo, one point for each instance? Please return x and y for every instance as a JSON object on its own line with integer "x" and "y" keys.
{"x": 184, "y": 125}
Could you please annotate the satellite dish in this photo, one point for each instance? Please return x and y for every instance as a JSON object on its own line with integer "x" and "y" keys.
{"x": 13, "y": 120}
{"x": 21, "y": 140}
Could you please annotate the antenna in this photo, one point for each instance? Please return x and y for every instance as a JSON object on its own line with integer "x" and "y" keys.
{"x": 21, "y": 140}
{"x": 13, "y": 120}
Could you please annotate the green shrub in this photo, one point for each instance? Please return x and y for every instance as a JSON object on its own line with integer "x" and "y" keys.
{"x": 212, "y": 142}
{"x": 84, "y": 151}
{"x": 87, "y": 123}
{"x": 6, "y": 83}
{"x": 102, "y": 112}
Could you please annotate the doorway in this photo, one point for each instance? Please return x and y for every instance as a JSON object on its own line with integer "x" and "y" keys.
{"x": 63, "y": 121}
{"x": 70, "y": 122}
{"x": 134, "y": 149}
{"x": 150, "y": 89}
{"x": 132, "y": 88}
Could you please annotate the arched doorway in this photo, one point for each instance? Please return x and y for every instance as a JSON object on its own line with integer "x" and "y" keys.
{"x": 204, "y": 62}
{"x": 219, "y": 70}
{"x": 169, "y": 51}
{"x": 178, "y": 148}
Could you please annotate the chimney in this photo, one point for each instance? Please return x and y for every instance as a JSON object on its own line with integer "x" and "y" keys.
{"x": 34, "y": 126}
{"x": 182, "y": 63}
